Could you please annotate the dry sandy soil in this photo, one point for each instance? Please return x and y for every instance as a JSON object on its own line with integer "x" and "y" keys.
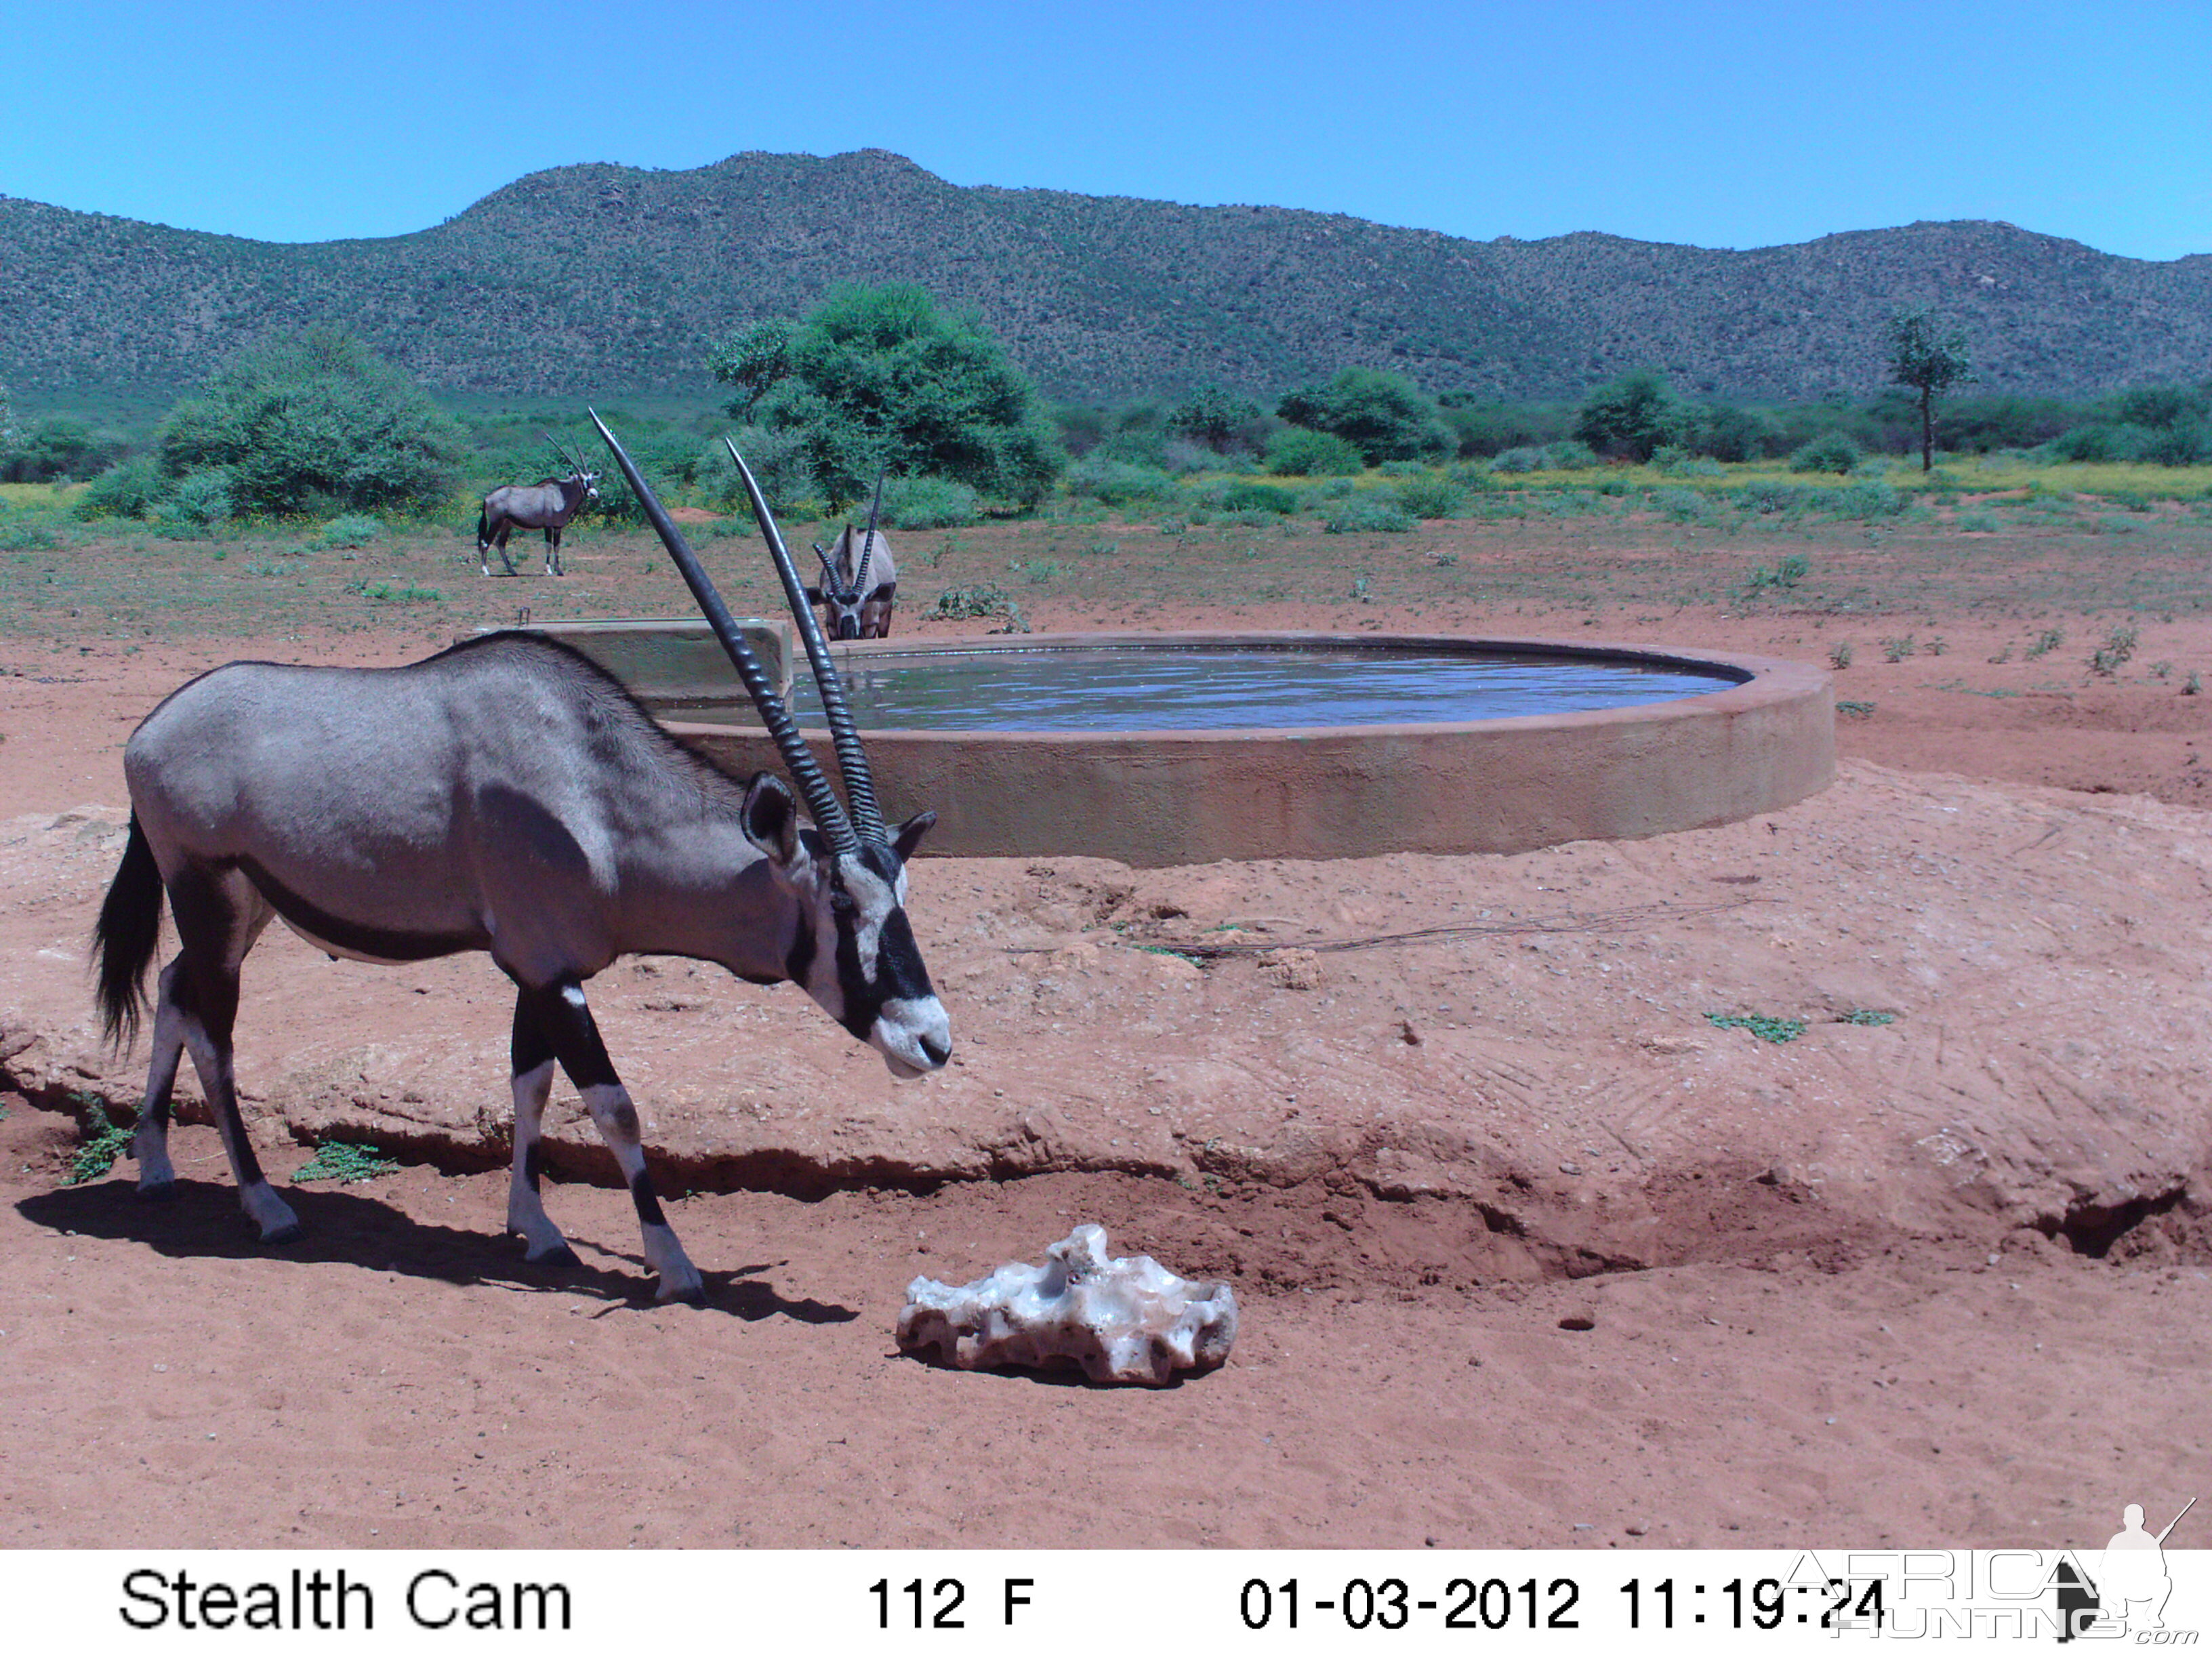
{"x": 1529, "y": 1250}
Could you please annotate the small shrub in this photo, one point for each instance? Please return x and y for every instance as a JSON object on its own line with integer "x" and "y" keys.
{"x": 126, "y": 491}
{"x": 1792, "y": 569}
{"x": 102, "y": 1145}
{"x": 929, "y": 503}
{"x": 346, "y": 1164}
{"x": 28, "y": 538}
{"x": 1839, "y": 655}
{"x": 1831, "y": 452}
{"x": 1429, "y": 496}
{"x": 1768, "y": 1028}
{"x": 1853, "y": 710}
{"x": 1681, "y": 505}
{"x": 1295, "y": 451}
{"x": 1898, "y": 649}
{"x": 197, "y": 500}
{"x": 1366, "y": 513}
{"x": 1119, "y": 484}
{"x": 2048, "y": 640}
{"x": 1975, "y": 523}
{"x": 1569, "y": 455}
{"x": 962, "y": 604}
{"x": 1772, "y": 495}
{"x": 350, "y": 530}
{"x": 1249, "y": 495}
{"x": 2112, "y": 655}
{"x": 1523, "y": 460}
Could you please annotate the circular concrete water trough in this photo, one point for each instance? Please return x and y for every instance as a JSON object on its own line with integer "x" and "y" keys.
{"x": 1762, "y": 737}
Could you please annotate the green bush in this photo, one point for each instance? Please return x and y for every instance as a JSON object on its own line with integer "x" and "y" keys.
{"x": 929, "y": 504}
{"x": 777, "y": 460}
{"x": 1633, "y": 416}
{"x": 1433, "y": 496}
{"x": 126, "y": 490}
{"x": 1368, "y": 511}
{"x": 350, "y": 530}
{"x": 1384, "y": 415}
{"x": 1570, "y": 455}
{"x": 879, "y": 376}
{"x": 1247, "y": 496}
{"x": 197, "y": 500}
{"x": 1217, "y": 419}
{"x": 1118, "y": 483}
{"x": 1526, "y": 459}
{"x": 1298, "y": 452}
{"x": 1831, "y": 452}
{"x": 310, "y": 422}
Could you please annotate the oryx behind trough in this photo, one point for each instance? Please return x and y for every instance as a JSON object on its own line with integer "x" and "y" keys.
{"x": 860, "y": 580}
{"x": 547, "y": 505}
{"x": 504, "y": 796}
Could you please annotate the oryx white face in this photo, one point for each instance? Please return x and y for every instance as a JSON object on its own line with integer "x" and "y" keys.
{"x": 852, "y": 950}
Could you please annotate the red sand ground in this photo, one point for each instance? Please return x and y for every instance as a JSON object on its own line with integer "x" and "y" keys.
{"x": 1821, "y": 1300}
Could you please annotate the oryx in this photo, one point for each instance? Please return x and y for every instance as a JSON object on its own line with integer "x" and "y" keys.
{"x": 860, "y": 580}
{"x": 504, "y": 796}
{"x": 547, "y": 505}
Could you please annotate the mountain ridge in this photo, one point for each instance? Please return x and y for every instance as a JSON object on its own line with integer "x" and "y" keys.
{"x": 596, "y": 279}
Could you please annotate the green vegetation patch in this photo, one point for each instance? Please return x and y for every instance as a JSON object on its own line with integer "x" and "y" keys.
{"x": 1768, "y": 1028}
{"x": 103, "y": 1143}
{"x": 345, "y": 1162}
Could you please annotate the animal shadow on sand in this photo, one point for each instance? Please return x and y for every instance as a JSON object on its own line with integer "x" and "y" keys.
{"x": 351, "y": 1230}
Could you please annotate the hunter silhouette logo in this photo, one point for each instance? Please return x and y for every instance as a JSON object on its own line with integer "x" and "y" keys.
{"x": 2129, "y": 1586}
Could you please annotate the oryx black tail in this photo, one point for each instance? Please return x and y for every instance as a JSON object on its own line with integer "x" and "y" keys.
{"x": 126, "y": 938}
{"x": 484, "y": 528}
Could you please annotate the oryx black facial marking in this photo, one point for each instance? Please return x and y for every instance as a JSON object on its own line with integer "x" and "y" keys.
{"x": 506, "y": 796}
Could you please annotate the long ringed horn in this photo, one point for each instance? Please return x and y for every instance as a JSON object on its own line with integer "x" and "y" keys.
{"x": 859, "y": 787}
{"x": 868, "y": 543}
{"x": 798, "y": 759}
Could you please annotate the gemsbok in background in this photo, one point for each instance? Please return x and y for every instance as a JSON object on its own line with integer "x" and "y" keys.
{"x": 860, "y": 580}
{"x": 504, "y": 796}
{"x": 547, "y": 505}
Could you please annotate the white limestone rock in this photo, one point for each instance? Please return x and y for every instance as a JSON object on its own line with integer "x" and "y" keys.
{"x": 1122, "y": 1319}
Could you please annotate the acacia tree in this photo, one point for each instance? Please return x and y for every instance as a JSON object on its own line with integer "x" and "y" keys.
{"x": 1930, "y": 360}
{"x": 879, "y": 377}
{"x": 753, "y": 360}
{"x": 1385, "y": 415}
{"x": 1637, "y": 413}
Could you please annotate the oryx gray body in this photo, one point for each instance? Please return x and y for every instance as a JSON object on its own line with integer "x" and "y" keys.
{"x": 505, "y": 796}
{"x": 859, "y": 587}
{"x": 547, "y": 505}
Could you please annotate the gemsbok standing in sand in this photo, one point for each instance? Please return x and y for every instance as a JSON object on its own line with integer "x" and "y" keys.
{"x": 860, "y": 580}
{"x": 547, "y": 505}
{"x": 504, "y": 796}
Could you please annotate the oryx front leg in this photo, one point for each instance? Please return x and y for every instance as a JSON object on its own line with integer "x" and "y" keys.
{"x": 567, "y": 1019}
{"x": 533, "y": 1081}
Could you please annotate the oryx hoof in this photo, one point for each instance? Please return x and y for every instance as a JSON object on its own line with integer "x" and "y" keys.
{"x": 284, "y": 1232}
{"x": 157, "y": 1192}
{"x": 559, "y": 1255}
{"x": 693, "y": 1294}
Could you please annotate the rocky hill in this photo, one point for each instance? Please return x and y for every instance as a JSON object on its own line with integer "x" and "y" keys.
{"x": 596, "y": 280}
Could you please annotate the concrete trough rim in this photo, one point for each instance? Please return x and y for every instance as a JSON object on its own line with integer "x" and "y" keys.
{"x": 1758, "y": 681}
{"x": 1196, "y": 795}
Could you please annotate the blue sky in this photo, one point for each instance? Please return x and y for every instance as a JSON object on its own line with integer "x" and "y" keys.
{"x": 1727, "y": 125}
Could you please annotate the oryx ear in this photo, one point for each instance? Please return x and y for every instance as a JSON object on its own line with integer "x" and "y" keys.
{"x": 908, "y": 836}
{"x": 770, "y": 817}
{"x": 814, "y": 596}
